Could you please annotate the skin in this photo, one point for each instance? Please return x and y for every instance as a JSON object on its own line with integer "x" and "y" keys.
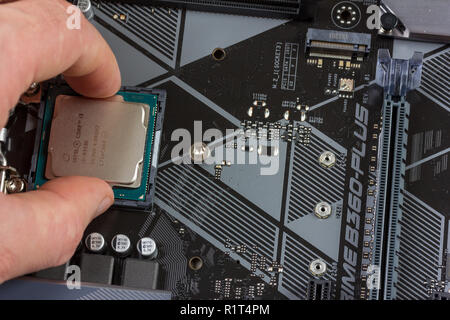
{"x": 42, "y": 229}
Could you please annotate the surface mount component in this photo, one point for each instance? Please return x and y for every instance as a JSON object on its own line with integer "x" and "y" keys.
{"x": 346, "y": 87}
{"x": 95, "y": 242}
{"x": 142, "y": 274}
{"x": 96, "y": 268}
{"x": 147, "y": 248}
{"x": 121, "y": 245}
{"x": 85, "y": 7}
{"x": 337, "y": 44}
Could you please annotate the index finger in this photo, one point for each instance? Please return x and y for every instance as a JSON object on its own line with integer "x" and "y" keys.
{"x": 36, "y": 44}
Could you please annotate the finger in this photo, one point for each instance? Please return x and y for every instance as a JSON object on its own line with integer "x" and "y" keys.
{"x": 42, "y": 228}
{"x": 116, "y": 98}
{"x": 36, "y": 45}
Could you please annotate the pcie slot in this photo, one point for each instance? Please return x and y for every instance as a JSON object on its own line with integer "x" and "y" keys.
{"x": 383, "y": 187}
{"x": 396, "y": 196}
{"x": 392, "y": 155}
{"x": 396, "y": 77}
{"x": 263, "y": 8}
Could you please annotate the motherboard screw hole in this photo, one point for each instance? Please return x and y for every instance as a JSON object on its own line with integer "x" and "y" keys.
{"x": 195, "y": 263}
{"x": 218, "y": 54}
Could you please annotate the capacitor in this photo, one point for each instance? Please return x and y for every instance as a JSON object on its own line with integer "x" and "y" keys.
{"x": 86, "y": 7}
{"x": 121, "y": 244}
{"x": 147, "y": 248}
{"x": 95, "y": 242}
{"x": 303, "y": 116}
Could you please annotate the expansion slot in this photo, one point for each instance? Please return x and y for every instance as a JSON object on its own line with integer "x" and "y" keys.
{"x": 390, "y": 191}
{"x": 383, "y": 187}
{"x": 397, "y": 77}
{"x": 263, "y": 8}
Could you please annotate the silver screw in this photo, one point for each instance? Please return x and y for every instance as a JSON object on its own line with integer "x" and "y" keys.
{"x": 322, "y": 210}
{"x": 318, "y": 267}
{"x": 15, "y": 185}
{"x": 327, "y": 159}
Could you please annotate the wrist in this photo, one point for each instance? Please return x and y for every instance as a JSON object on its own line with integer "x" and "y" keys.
{"x": 6, "y": 264}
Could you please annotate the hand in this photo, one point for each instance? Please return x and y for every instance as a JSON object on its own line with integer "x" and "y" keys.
{"x": 42, "y": 229}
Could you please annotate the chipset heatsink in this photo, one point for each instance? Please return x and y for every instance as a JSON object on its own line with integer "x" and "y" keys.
{"x": 116, "y": 141}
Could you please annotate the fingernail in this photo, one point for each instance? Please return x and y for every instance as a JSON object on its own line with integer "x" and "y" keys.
{"x": 104, "y": 205}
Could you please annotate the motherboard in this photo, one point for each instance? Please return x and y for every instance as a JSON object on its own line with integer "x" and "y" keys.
{"x": 297, "y": 159}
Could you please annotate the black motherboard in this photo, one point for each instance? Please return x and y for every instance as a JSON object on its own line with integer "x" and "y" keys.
{"x": 352, "y": 201}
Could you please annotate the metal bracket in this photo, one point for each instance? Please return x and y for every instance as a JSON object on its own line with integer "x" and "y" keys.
{"x": 399, "y": 30}
{"x": 398, "y": 76}
{"x": 10, "y": 179}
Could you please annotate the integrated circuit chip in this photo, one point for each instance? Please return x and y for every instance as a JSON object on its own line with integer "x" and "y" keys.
{"x": 117, "y": 141}
{"x": 98, "y": 138}
{"x": 346, "y": 87}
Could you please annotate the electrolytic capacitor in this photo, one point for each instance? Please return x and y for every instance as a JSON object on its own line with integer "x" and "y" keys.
{"x": 95, "y": 242}
{"x": 121, "y": 244}
{"x": 86, "y": 8}
{"x": 147, "y": 248}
